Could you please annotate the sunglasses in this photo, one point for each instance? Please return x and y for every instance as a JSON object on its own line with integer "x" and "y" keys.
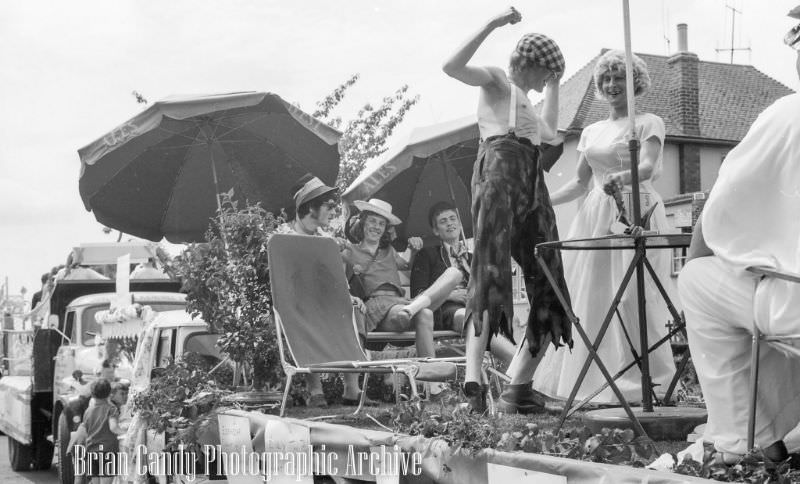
{"x": 792, "y": 38}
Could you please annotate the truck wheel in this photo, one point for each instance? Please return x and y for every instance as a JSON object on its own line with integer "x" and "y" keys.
{"x": 65, "y": 473}
{"x": 19, "y": 455}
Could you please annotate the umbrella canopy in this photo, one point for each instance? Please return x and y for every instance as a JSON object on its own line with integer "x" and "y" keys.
{"x": 158, "y": 174}
{"x": 434, "y": 164}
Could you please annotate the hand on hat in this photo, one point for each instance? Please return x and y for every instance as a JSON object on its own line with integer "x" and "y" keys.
{"x": 510, "y": 16}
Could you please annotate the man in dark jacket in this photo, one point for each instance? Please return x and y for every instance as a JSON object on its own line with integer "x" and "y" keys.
{"x": 432, "y": 261}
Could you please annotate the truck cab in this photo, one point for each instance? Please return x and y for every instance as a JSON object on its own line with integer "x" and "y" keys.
{"x": 177, "y": 333}
{"x": 35, "y": 395}
{"x": 83, "y": 346}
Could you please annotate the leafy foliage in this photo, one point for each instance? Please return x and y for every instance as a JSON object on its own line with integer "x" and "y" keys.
{"x": 365, "y": 136}
{"x": 470, "y": 433}
{"x": 227, "y": 282}
{"x": 754, "y": 468}
{"x": 185, "y": 388}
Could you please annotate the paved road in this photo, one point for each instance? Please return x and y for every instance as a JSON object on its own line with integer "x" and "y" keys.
{"x": 7, "y": 476}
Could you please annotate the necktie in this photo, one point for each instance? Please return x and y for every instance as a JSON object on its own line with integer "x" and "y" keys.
{"x": 461, "y": 262}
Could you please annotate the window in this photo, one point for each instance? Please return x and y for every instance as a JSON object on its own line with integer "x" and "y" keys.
{"x": 69, "y": 326}
{"x": 204, "y": 345}
{"x": 678, "y": 260}
{"x": 91, "y": 327}
{"x": 165, "y": 350}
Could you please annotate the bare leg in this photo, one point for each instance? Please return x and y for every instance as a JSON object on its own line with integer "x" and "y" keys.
{"x": 502, "y": 348}
{"x": 476, "y": 346}
{"x": 458, "y": 320}
{"x": 435, "y": 295}
{"x": 314, "y": 384}
{"x": 523, "y": 365}
{"x": 423, "y": 323}
{"x": 351, "y": 388}
{"x": 425, "y": 347}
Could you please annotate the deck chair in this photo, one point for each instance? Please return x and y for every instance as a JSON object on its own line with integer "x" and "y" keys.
{"x": 314, "y": 319}
{"x": 782, "y": 342}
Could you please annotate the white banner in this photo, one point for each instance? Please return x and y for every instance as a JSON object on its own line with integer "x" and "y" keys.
{"x": 239, "y": 462}
{"x": 290, "y": 458}
{"x": 500, "y": 474}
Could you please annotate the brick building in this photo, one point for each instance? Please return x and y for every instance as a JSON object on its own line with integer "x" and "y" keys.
{"x": 707, "y": 108}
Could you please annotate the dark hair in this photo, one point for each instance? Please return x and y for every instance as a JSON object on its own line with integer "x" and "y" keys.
{"x": 45, "y": 277}
{"x": 101, "y": 388}
{"x": 116, "y": 386}
{"x": 437, "y": 209}
{"x": 314, "y": 203}
{"x": 357, "y": 230}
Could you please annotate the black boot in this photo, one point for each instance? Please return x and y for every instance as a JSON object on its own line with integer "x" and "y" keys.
{"x": 476, "y": 396}
{"x": 520, "y": 398}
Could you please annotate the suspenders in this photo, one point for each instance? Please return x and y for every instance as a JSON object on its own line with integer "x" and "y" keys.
{"x": 512, "y": 108}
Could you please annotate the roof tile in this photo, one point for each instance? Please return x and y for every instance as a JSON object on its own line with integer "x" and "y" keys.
{"x": 730, "y": 95}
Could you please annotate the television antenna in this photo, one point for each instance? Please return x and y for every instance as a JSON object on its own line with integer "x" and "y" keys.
{"x": 733, "y": 49}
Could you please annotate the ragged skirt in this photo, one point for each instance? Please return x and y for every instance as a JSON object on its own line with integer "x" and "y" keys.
{"x": 511, "y": 214}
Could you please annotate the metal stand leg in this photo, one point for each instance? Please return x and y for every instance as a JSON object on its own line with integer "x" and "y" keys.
{"x": 592, "y": 348}
{"x": 637, "y": 360}
{"x": 751, "y": 421}
{"x": 675, "y": 379}
{"x": 624, "y": 370}
{"x": 641, "y": 251}
{"x": 592, "y": 351}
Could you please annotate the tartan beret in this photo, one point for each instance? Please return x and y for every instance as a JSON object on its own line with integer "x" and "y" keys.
{"x": 542, "y": 50}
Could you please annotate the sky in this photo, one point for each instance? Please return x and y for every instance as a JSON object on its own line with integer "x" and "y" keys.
{"x": 69, "y": 68}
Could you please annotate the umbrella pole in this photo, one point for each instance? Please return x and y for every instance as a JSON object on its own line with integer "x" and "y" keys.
{"x": 216, "y": 183}
{"x": 216, "y": 196}
{"x": 633, "y": 146}
{"x": 453, "y": 198}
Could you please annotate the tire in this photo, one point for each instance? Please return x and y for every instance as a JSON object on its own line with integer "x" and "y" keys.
{"x": 19, "y": 455}
{"x": 66, "y": 475}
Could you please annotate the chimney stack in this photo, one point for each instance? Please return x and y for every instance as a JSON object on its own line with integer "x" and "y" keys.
{"x": 683, "y": 38}
{"x": 684, "y": 86}
{"x": 684, "y": 106}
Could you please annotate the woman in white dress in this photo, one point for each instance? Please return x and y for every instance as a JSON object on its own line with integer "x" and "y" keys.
{"x": 593, "y": 277}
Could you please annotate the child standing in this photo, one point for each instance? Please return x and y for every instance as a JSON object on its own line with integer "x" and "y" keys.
{"x": 101, "y": 421}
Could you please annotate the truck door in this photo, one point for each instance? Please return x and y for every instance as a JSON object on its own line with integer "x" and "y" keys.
{"x": 65, "y": 358}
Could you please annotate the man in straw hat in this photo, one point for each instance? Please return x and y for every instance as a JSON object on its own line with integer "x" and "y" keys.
{"x": 377, "y": 265}
{"x": 315, "y": 206}
{"x": 511, "y": 207}
{"x": 721, "y": 298}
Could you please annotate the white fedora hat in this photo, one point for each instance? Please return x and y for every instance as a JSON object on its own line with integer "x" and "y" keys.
{"x": 378, "y": 206}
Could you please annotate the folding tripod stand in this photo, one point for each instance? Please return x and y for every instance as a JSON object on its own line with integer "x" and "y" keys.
{"x": 639, "y": 244}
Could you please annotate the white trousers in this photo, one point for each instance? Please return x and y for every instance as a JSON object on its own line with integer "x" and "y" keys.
{"x": 718, "y": 304}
